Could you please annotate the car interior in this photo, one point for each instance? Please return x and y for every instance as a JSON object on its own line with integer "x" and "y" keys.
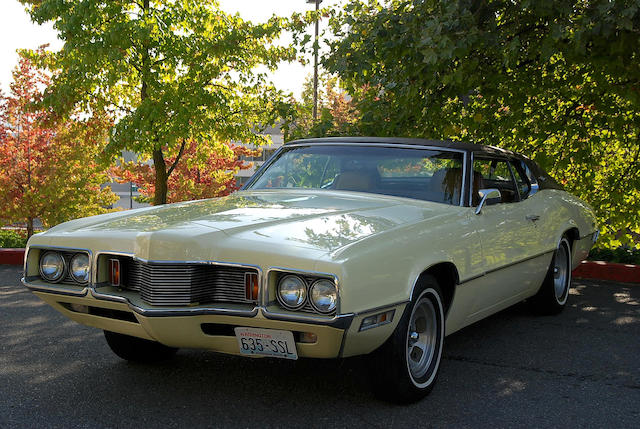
{"x": 444, "y": 186}
{"x": 493, "y": 173}
{"x": 436, "y": 177}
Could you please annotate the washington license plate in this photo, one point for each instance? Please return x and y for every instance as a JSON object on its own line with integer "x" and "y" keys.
{"x": 266, "y": 342}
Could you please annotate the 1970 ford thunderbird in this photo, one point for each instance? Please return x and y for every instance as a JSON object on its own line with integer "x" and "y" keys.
{"x": 336, "y": 247}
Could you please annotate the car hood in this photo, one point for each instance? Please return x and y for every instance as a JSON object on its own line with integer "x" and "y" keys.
{"x": 323, "y": 221}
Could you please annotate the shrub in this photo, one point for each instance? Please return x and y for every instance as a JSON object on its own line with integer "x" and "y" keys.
{"x": 11, "y": 238}
{"x": 621, "y": 255}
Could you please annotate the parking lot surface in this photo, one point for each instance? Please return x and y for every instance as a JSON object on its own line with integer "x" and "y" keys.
{"x": 578, "y": 369}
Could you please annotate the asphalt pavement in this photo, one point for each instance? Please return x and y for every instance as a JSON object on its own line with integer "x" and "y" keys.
{"x": 514, "y": 369}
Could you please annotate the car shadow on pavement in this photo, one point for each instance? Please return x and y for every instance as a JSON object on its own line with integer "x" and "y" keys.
{"x": 509, "y": 369}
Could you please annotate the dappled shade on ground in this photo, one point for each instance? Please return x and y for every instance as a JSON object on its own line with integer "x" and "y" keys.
{"x": 511, "y": 369}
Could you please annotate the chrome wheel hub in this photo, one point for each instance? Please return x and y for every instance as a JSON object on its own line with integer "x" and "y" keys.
{"x": 422, "y": 337}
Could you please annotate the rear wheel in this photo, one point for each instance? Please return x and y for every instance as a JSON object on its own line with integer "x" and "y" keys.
{"x": 407, "y": 364}
{"x": 136, "y": 349}
{"x": 553, "y": 294}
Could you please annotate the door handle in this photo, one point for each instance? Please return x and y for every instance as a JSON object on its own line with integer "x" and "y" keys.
{"x": 533, "y": 217}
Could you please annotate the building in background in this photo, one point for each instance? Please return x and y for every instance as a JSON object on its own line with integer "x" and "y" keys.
{"x": 277, "y": 140}
{"x": 127, "y": 192}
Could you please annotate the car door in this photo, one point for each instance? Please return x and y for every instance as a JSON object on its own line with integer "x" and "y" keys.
{"x": 541, "y": 211}
{"x": 507, "y": 237}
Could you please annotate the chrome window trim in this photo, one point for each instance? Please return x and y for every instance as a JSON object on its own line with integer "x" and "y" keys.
{"x": 464, "y": 153}
{"x": 391, "y": 145}
{"x": 514, "y": 181}
{"x": 470, "y": 192}
{"x": 533, "y": 185}
{"x": 533, "y": 180}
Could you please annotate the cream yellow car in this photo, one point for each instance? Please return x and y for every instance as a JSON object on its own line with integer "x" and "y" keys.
{"x": 336, "y": 247}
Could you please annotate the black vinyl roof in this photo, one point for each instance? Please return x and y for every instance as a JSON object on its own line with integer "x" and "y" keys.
{"x": 448, "y": 144}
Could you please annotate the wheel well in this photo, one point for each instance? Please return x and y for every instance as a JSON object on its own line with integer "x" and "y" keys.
{"x": 573, "y": 235}
{"x": 447, "y": 276}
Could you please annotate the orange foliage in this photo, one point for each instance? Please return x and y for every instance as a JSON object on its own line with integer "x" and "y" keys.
{"x": 48, "y": 170}
{"x": 196, "y": 176}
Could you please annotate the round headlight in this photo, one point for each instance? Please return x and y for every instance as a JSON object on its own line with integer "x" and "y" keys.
{"x": 292, "y": 292}
{"x": 80, "y": 267}
{"x": 52, "y": 266}
{"x": 324, "y": 296}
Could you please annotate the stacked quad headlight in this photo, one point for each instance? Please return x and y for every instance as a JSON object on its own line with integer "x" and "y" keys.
{"x": 52, "y": 266}
{"x": 55, "y": 266}
{"x": 323, "y": 296}
{"x": 293, "y": 292}
{"x": 79, "y": 267}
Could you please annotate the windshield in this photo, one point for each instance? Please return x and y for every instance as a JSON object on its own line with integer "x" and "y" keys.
{"x": 424, "y": 174}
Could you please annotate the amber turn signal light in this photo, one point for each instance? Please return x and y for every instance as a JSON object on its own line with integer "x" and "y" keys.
{"x": 114, "y": 272}
{"x": 251, "y": 286}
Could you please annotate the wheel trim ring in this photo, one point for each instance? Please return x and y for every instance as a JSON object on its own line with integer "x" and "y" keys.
{"x": 561, "y": 273}
{"x": 423, "y": 322}
{"x": 435, "y": 359}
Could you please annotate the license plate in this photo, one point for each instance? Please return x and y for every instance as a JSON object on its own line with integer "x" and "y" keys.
{"x": 266, "y": 342}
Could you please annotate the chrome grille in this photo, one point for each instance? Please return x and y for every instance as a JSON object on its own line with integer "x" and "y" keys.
{"x": 177, "y": 284}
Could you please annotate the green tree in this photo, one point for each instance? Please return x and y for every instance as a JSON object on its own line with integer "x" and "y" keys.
{"x": 171, "y": 72}
{"x": 558, "y": 81}
{"x": 48, "y": 170}
{"x": 337, "y": 112}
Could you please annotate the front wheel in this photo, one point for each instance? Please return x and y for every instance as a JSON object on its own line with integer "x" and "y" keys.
{"x": 406, "y": 365}
{"x": 553, "y": 294}
{"x": 136, "y": 349}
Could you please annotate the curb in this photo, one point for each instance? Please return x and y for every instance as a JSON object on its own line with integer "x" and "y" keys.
{"x": 623, "y": 273}
{"x": 600, "y": 270}
{"x": 11, "y": 256}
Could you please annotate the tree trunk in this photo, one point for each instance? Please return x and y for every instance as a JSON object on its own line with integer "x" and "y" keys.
{"x": 29, "y": 227}
{"x": 160, "y": 196}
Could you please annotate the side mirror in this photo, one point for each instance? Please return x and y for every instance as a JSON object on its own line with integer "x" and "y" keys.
{"x": 488, "y": 197}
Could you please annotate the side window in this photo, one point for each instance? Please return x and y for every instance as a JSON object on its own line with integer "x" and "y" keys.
{"x": 531, "y": 176}
{"x": 494, "y": 173}
{"x": 524, "y": 187}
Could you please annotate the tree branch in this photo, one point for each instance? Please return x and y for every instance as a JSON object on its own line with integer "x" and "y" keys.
{"x": 173, "y": 166}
